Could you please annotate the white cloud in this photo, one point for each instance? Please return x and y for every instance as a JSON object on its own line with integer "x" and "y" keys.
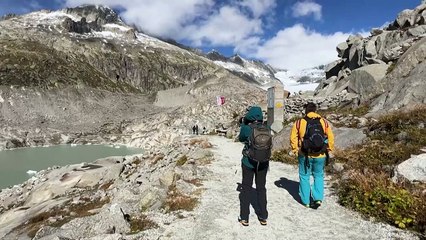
{"x": 158, "y": 17}
{"x": 239, "y": 24}
{"x": 228, "y": 27}
{"x": 259, "y": 7}
{"x": 306, "y": 8}
{"x": 298, "y": 48}
{"x": 203, "y": 22}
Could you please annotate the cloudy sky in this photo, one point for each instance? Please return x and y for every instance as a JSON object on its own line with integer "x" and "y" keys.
{"x": 292, "y": 34}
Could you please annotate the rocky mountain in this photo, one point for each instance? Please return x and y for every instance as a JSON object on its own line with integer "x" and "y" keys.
{"x": 250, "y": 70}
{"x": 81, "y": 69}
{"x": 386, "y": 68}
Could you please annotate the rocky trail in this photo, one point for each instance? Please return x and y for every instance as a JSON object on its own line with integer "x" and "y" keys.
{"x": 216, "y": 216}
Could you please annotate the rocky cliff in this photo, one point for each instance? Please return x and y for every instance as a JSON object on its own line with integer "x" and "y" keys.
{"x": 75, "y": 70}
{"x": 386, "y": 66}
{"x": 250, "y": 70}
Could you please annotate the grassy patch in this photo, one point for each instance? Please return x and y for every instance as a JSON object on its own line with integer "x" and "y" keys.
{"x": 156, "y": 159}
{"x": 394, "y": 138}
{"x": 182, "y": 160}
{"x": 283, "y": 157}
{"x": 346, "y": 111}
{"x": 62, "y": 214}
{"x": 105, "y": 186}
{"x": 391, "y": 68}
{"x": 374, "y": 194}
{"x": 178, "y": 201}
{"x": 141, "y": 223}
{"x": 367, "y": 186}
{"x": 196, "y": 182}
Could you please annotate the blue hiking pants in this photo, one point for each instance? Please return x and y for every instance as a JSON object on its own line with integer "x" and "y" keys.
{"x": 315, "y": 168}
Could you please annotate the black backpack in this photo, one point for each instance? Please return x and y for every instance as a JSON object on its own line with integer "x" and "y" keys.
{"x": 314, "y": 140}
{"x": 259, "y": 143}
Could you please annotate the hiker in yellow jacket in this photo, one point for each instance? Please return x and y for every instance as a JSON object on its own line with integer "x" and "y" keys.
{"x": 312, "y": 141}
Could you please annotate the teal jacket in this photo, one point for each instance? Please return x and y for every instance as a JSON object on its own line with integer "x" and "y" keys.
{"x": 254, "y": 114}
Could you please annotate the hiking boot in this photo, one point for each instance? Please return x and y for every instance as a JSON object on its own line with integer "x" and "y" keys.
{"x": 245, "y": 223}
{"x": 307, "y": 205}
{"x": 262, "y": 221}
{"x": 316, "y": 204}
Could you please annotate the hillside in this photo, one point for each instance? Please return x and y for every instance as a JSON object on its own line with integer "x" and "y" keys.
{"x": 386, "y": 68}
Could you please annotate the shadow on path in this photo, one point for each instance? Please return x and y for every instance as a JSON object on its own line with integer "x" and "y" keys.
{"x": 252, "y": 196}
{"x": 291, "y": 186}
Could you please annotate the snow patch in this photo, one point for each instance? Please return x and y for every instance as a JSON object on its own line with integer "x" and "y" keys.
{"x": 289, "y": 79}
{"x": 1, "y": 99}
{"x": 31, "y": 172}
{"x": 116, "y": 26}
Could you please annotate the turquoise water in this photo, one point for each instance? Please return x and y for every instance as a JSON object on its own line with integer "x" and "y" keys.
{"x": 15, "y": 165}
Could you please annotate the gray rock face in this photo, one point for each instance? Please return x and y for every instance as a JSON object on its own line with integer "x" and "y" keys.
{"x": 98, "y": 14}
{"x": 386, "y": 46}
{"x": 406, "y": 18}
{"x": 333, "y": 68}
{"x": 341, "y": 49}
{"x": 413, "y": 169}
{"x": 364, "y": 81}
{"x": 347, "y": 137}
{"x": 412, "y": 90}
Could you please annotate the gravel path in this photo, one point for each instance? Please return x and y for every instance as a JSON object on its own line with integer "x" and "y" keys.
{"x": 216, "y": 217}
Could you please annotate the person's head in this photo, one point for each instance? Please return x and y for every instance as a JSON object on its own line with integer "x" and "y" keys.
{"x": 310, "y": 107}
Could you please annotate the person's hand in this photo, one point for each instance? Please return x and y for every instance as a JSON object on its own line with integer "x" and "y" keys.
{"x": 291, "y": 153}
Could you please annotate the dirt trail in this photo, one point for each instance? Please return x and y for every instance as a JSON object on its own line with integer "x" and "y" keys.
{"x": 216, "y": 217}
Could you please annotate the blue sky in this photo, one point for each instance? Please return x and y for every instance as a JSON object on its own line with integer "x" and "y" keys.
{"x": 291, "y": 34}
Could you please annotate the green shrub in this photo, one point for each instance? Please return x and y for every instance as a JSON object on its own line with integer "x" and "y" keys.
{"x": 374, "y": 194}
{"x": 141, "y": 223}
{"x": 182, "y": 160}
{"x": 390, "y": 68}
{"x": 367, "y": 187}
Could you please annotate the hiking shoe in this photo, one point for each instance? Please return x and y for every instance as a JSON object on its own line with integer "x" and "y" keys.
{"x": 316, "y": 204}
{"x": 307, "y": 205}
{"x": 245, "y": 223}
{"x": 262, "y": 221}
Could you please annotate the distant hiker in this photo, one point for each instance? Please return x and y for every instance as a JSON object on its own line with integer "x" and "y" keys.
{"x": 311, "y": 141}
{"x": 255, "y": 163}
{"x": 204, "y": 130}
{"x": 196, "y": 129}
{"x": 193, "y": 129}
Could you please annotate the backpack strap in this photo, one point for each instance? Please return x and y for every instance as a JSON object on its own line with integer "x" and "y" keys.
{"x": 298, "y": 124}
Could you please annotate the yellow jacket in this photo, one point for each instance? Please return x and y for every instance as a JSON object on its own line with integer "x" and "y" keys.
{"x": 296, "y": 135}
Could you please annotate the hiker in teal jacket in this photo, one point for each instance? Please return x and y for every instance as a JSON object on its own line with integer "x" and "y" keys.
{"x": 251, "y": 169}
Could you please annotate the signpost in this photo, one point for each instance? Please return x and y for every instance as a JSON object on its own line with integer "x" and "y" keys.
{"x": 276, "y": 107}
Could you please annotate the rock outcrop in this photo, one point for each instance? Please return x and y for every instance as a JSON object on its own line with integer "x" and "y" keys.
{"x": 373, "y": 66}
{"x": 413, "y": 169}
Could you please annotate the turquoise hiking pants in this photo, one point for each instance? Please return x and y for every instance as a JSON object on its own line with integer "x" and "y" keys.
{"x": 315, "y": 168}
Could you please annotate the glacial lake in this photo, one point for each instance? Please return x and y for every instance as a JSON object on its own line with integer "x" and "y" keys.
{"x": 17, "y": 165}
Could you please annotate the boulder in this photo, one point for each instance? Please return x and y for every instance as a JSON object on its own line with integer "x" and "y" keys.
{"x": 364, "y": 81}
{"x": 353, "y": 39}
{"x": 413, "y": 169}
{"x": 405, "y": 85}
{"x": 333, "y": 68}
{"x": 151, "y": 199}
{"x": 416, "y": 31}
{"x": 387, "y": 40}
{"x": 347, "y": 137}
{"x": 392, "y": 54}
{"x": 356, "y": 54}
{"x": 341, "y": 49}
{"x": 406, "y": 18}
{"x": 167, "y": 179}
{"x": 370, "y": 50}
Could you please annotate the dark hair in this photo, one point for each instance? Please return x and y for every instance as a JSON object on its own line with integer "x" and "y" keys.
{"x": 310, "y": 107}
